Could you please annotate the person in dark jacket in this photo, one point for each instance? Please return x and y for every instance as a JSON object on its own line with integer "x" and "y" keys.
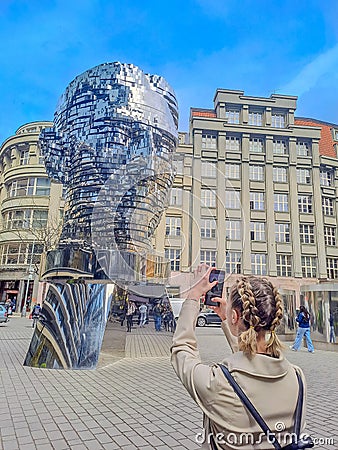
{"x": 332, "y": 331}
{"x": 303, "y": 320}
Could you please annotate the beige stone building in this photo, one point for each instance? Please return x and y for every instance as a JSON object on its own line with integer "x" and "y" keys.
{"x": 31, "y": 209}
{"x": 255, "y": 193}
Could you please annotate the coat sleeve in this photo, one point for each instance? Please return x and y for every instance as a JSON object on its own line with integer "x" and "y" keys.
{"x": 200, "y": 380}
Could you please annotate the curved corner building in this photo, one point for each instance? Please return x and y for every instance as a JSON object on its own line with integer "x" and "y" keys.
{"x": 114, "y": 134}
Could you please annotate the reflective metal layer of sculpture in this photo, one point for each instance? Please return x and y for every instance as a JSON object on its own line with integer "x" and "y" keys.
{"x": 115, "y": 130}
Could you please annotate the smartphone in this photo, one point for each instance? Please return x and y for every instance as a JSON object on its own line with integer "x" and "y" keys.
{"x": 217, "y": 290}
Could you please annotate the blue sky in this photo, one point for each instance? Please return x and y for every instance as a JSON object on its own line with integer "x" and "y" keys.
{"x": 258, "y": 46}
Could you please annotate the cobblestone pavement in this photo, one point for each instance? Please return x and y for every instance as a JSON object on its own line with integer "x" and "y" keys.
{"x": 135, "y": 402}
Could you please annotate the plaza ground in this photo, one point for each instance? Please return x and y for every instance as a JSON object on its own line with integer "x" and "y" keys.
{"x": 134, "y": 399}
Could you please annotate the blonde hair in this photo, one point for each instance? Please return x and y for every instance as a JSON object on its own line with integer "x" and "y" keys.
{"x": 261, "y": 308}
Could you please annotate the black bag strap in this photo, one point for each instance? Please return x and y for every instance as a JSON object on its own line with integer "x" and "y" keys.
{"x": 255, "y": 414}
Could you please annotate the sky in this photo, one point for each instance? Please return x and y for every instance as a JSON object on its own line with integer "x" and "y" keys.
{"x": 258, "y": 46}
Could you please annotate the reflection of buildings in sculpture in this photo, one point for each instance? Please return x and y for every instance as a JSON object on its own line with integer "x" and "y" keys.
{"x": 31, "y": 210}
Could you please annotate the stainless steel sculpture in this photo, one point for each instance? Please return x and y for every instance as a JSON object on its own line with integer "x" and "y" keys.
{"x": 115, "y": 130}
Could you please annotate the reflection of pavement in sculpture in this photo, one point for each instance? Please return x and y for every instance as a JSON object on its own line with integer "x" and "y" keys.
{"x": 115, "y": 130}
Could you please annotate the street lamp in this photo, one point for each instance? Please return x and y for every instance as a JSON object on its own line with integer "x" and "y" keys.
{"x": 30, "y": 276}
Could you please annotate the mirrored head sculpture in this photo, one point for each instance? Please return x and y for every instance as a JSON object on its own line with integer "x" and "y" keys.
{"x": 114, "y": 134}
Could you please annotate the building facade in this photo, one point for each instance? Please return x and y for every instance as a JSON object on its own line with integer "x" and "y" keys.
{"x": 31, "y": 209}
{"x": 255, "y": 193}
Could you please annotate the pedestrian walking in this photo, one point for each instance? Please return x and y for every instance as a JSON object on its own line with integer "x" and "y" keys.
{"x": 143, "y": 311}
{"x": 36, "y": 314}
{"x": 332, "y": 331}
{"x": 157, "y": 311}
{"x": 129, "y": 315}
{"x": 303, "y": 320}
{"x": 250, "y": 317}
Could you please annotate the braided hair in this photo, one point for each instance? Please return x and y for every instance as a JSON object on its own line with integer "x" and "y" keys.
{"x": 261, "y": 308}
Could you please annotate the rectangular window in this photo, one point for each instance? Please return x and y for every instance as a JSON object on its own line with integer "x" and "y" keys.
{"x": 280, "y": 175}
{"x": 327, "y": 204}
{"x": 326, "y": 177}
{"x": 281, "y": 202}
{"x": 233, "y": 230}
{"x": 174, "y": 255}
{"x": 258, "y": 264}
{"x": 29, "y": 187}
{"x": 232, "y": 200}
{"x": 208, "y": 228}
{"x": 20, "y": 253}
{"x": 303, "y": 148}
{"x": 209, "y": 141}
{"x": 332, "y": 268}
{"x": 24, "y": 157}
{"x": 256, "y": 173}
{"x": 283, "y": 263}
{"x": 232, "y": 171}
{"x": 309, "y": 266}
{"x": 208, "y": 169}
{"x": 208, "y": 198}
{"x": 282, "y": 232}
{"x": 257, "y": 201}
{"x": 305, "y": 204}
{"x": 257, "y": 231}
{"x": 42, "y": 186}
{"x": 232, "y": 143}
{"x": 329, "y": 235}
{"x": 176, "y": 197}
{"x": 173, "y": 226}
{"x": 278, "y": 120}
{"x": 307, "y": 235}
{"x": 279, "y": 147}
{"x": 232, "y": 115}
{"x": 255, "y": 118}
{"x": 233, "y": 262}
{"x": 256, "y": 145}
{"x": 303, "y": 176}
{"x": 208, "y": 257}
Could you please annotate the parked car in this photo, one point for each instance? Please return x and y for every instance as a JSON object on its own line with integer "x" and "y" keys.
{"x": 207, "y": 317}
{"x": 3, "y": 314}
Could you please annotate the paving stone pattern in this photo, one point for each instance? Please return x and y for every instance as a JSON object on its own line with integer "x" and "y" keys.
{"x": 135, "y": 402}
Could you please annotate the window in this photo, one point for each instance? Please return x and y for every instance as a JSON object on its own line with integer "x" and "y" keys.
{"x": 303, "y": 148}
{"x": 332, "y": 268}
{"x": 208, "y": 257}
{"x": 303, "y": 176}
{"x": 327, "y": 204}
{"x": 232, "y": 171}
{"x": 208, "y": 198}
{"x": 232, "y": 143}
{"x": 257, "y": 231}
{"x": 329, "y": 235}
{"x": 232, "y": 200}
{"x": 176, "y": 197}
{"x": 326, "y": 177}
{"x": 258, "y": 264}
{"x": 309, "y": 266}
{"x": 256, "y": 145}
{"x": 208, "y": 228}
{"x": 255, "y": 118}
{"x": 283, "y": 263}
{"x": 233, "y": 262}
{"x": 278, "y": 120}
{"x": 41, "y": 159}
{"x": 20, "y": 253}
{"x": 24, "y": 157}
{"x": 257, "y": 201}
{"x": 208, "y": 169}
{"x": 173, "y": 226}
{"x": 279, "y": 147}
{"x": 209, "y": 140}
{"x": 282, "y": 232}
{"x": 280, "y": 175}
{"x": 256, "y": 173}
{"x": 281, "y": 202}
{"x": 174, "y": 255}
{"x": 232, "y": 115}
{"x": 29, "y": 187}
{"x": 25, "y": 218}
{"x": 307, "y": 235}
{"x": 233, "y": 230}
{"x": 305, "y": 204}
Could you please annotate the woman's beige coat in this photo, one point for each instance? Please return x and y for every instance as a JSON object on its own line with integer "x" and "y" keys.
{"x": 270, "y": 383}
